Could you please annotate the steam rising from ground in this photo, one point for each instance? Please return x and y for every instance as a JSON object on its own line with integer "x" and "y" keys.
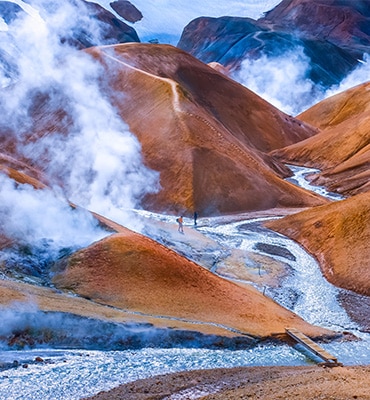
{"x": 31, "y": 216}
{"x": 25, "y": 326}
{"x": 360, "y": 75}
{"x": 86, "y": 147}
{"x": 283, "y": 80}
{"x": 280, "y": 80}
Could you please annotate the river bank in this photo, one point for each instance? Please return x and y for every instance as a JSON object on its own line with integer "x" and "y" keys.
{"x": 264, "y": 383}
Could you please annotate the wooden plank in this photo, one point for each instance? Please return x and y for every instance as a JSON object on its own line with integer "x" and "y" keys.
{"x": 311, "y": 345}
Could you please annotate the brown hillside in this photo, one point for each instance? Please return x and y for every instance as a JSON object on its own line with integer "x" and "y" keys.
{"x": 341, "y": 149}
{"x": 134, "y": 273}
{"x": 22, "y": 172}
{"x": 205, "y": 133}
{"x": 338, "y": 235}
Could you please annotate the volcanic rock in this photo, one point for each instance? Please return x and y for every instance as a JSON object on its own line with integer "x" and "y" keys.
{"x": 338, "y": 236}
{"x": 341, "y": 150}
{"x": 127, "y": 10}
{"x": 206, "y": 134}
{"x": 132, "y": 272}
{"x": 317, "y": 27}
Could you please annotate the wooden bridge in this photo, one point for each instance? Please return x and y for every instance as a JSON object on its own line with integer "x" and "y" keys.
{"x": 299, "y": 337}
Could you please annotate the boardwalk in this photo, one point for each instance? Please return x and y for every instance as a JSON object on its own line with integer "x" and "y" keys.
{"x": 302, "y": 339}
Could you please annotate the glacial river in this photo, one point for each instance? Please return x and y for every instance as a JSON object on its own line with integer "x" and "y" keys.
{"x": 73, "y": 374}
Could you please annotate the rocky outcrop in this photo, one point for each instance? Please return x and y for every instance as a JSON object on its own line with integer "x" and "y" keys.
{"x": 333, "y": 36}
{"x": 127, "y": 10}
{"x": 341, "y": 150}
{"x": 131, "y": 272}
{"x": 338, "y": 236}
{"x": 206, "y": 134}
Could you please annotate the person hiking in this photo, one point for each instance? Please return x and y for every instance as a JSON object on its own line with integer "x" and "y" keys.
{"x": 195, "y": 218}
{"x": 180, "y": 221}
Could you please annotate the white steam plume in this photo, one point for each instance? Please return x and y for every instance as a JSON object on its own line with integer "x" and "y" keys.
{"x": 91, "y": 150}
{"x": 283, "y": 80}
{"x": 30, "y": 215}
{"x": 359, "y": 75}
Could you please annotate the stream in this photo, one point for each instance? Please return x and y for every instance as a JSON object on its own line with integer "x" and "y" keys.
{"x": 73, "y": 374}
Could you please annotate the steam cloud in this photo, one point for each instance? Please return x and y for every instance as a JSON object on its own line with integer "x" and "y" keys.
{"x": 25, "y": 326}
{"x": 359, "y": 75}
{"x": 89, "y": 151}
{"x": 29, "y": 215}
{"x": 283, "y": 81}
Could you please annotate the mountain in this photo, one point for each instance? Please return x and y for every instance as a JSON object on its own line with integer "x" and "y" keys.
{"x": 341, "y": 22}
{"x": 337, "y": 234}
{"x": 332, "y": 46}
{"x": 132, "y": 272}
{"x": 341, "y": 150}
{"x": 97, "y": 126}
{"x": 148, "y": 285}
{"x": 206, "y": 134}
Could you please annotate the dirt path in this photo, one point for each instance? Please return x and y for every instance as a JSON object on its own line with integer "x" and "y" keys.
{"x": 267, "y": 383}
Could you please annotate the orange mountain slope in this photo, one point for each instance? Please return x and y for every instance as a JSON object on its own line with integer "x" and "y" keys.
{"x": 338, "y": 235}
{"x": 22, "y": 172}
{"x": 206, "y": 134}
{"x": 132, "y": 272}
{"x": 341, "y": 150}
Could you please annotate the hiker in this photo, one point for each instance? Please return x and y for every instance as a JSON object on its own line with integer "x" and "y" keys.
{"x": 195, "y": 218}
{"x": 180, "y": 221}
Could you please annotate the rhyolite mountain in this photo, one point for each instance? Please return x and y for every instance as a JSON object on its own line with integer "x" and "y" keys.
{"x": 150, "y": 287}
{"x": 342, "y": 22}
{"x": 338, "y": 235}
{"x": 341, "y": 150}
{"x": 216, "y": 146}
{"x": 207, "y": 135}
{"x": 332, "y": 33}
{"x": 132, "y": 272}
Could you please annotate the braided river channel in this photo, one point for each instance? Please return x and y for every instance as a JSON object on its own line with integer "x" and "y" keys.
{"x": 73, "y": 374}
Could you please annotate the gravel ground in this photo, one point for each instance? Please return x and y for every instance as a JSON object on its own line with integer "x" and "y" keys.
{"x": 277, "y": 383}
